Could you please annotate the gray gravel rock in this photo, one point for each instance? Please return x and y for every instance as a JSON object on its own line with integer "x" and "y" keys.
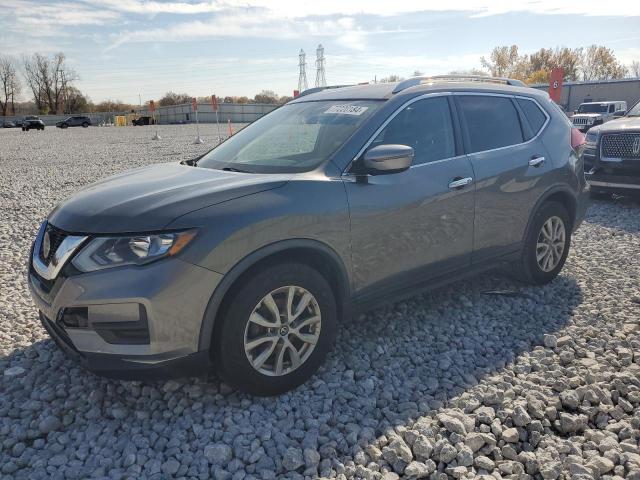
{"x": 218, "y": 454}
{"x": 293, "y": 459}
{"x": 459, "y": 383}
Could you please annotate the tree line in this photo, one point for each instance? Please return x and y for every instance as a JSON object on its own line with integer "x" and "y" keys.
{"x": 50, "y": 83}
{"x": 265, "y": 96}
{"x": 592, "y": 63}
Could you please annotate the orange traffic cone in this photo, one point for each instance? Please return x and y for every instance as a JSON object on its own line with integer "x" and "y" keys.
{"x": 230, "y": 129}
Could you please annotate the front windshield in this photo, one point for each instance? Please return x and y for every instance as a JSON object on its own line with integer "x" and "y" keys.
{"x": 634, "y": 111}
{"x": 294, "y": 138}
{"x": 592, "y": 108}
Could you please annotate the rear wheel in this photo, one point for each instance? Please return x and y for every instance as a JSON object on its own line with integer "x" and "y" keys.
{"x": 85, "y": 125}
{"x": 547, "y": 244}
{"x": 276, "y": 330}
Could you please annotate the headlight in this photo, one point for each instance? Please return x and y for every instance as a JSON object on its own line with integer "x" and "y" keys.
{"x": 590, "y": 120}
{"x": 591, "y": 137}
{"x": 107, "y": 252}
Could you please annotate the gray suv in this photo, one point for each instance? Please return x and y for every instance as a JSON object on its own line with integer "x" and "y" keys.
{"x": 247, "y": 258}
{"x": 75, "y": 121}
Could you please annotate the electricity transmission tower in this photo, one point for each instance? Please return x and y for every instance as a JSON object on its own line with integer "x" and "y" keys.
{"x": 321, "y": 81}
{"x": 302, "y": 78}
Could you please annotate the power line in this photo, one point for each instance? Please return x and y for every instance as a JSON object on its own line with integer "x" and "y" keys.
{"x": 302, "y": 77}
{"x": 321, "y": 81}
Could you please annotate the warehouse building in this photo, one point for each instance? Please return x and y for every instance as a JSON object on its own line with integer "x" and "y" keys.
{"x": 575, "y": 93}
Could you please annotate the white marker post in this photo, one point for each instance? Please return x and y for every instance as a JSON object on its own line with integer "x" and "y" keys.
{"x": 214, "y": 105}
{"x": 194, "y": 107}
{"x": 152, "y": 109}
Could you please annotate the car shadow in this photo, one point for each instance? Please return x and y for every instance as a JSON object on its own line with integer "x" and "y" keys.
{"x": 627, "y": 209}
{"x": 389, "y": 367}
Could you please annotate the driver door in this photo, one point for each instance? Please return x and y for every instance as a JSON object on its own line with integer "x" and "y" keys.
{"x": 409, "y": 226}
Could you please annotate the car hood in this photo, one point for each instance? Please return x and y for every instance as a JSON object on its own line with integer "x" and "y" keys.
{"x": 619, "y": 125}
{"x": 149, "y": 198}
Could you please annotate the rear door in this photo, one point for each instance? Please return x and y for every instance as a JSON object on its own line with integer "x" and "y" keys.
{"x": 411, "y": 225}
{"x": 510, "y": 165}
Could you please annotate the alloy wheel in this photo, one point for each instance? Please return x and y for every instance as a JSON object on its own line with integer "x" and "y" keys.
{"x": 551, "y": 244}
{"x": 282, "y": 331}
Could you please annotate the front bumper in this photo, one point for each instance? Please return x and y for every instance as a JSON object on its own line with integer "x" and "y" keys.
{"x": 171, "y": 296}
{"x": 603, "y": 181}
{"x": 129, "y": 367}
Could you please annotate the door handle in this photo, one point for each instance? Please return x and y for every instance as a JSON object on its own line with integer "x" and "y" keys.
{"x": 460, "y": 182}
{"x": 536, "y": 162}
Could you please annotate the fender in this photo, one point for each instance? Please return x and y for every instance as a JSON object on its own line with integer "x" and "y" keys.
{"x": 544, "y": 197}
{"x": 211, "y": 312}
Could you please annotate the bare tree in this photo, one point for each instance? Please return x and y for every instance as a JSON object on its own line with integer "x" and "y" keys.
{"x": 9, "y": 84}
{"x": 171, "y": 98}
{"x": 504, "y": 62}
{"x": 49, "y": 80}
{"x": 634, "y": 69}
{"x": 600, "y": 63}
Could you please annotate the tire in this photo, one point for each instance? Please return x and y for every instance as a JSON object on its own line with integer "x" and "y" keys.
{"x": 530, "y": 269}
{"x": 85, "y": 125}
{"x": 236, "y": 331}
{"x": 64, "y": 125}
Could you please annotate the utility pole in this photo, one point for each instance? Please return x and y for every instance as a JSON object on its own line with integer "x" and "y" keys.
{"x": 302, "y": 77}
{"x": 320, "y": 79}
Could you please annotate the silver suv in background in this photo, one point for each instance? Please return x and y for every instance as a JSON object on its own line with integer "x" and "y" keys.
{"x": 247, "y": 258}
{"x": 590, "y": 114}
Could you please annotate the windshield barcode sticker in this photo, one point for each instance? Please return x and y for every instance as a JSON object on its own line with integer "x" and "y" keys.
{"x": 347, "y": 109}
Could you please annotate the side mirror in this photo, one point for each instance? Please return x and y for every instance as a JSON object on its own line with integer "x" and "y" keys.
{"x": 385, "y": 159}
{"x": 619, "y": 114}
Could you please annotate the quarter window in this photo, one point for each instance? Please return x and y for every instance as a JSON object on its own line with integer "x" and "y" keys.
{"x": 534, "y": 115}
{"x": 426, "y": 126}
{"x": 492, "y": 122}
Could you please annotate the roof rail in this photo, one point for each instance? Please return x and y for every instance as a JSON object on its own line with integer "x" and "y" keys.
{"x": 311, "y": 90}
{"x": 412, "y": 82}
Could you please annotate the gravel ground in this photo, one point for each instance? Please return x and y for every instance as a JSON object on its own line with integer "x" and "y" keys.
{"x": 484, "y": 378}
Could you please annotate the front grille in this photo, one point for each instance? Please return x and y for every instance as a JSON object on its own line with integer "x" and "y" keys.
{"x": 580, "y": 121}
{"x": 56, "y": 237}
{"x": 621, "y": 145}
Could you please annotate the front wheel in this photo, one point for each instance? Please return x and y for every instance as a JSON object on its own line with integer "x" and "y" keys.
{"x": 547, "y": 244}
{"x": 85, "y": 125}
{"x": 276, "y": 330}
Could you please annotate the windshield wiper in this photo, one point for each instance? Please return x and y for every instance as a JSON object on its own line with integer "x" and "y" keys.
{"x": 234, "y": 169}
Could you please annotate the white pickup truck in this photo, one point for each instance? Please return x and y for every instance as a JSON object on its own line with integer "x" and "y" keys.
{"x": 597, "y": 113}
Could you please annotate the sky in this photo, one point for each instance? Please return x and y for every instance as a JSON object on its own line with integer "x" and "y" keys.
{"x": 135, "y": 49}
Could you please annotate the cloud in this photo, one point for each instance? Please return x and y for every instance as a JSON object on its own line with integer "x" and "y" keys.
{"x": 298, "y": 9}
{"x": 256, "y": 24}
{"x": 155, "y": 7}
{"x": 28, "y": 15}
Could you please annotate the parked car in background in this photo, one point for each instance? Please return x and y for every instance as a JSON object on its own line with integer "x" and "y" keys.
{"x": 591, "y": 114}
{"x": 74, "y": 121}
{"x": 144, "y": 120}
{"x": 32, "y": 122}
{"x": 612, "y": 154}
{"x": 9, "y": 124}
{"x": 343, "y": 198}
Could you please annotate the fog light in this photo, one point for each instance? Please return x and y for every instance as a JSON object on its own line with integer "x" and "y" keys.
{"x": 75, "y": 317}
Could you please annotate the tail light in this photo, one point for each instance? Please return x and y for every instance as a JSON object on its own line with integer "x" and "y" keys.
{"x": 577, "y": 138}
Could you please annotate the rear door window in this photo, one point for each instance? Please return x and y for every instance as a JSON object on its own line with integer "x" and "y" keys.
{"x": 491, "y": 122}
{"x": 533, "y": 114}
{"x": 424, "y": 125}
